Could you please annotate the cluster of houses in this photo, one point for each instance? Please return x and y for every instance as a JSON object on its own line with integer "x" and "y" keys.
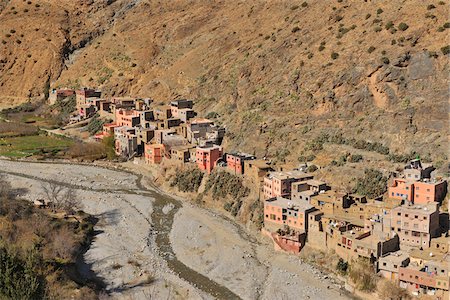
{"x": 403, "y": 233}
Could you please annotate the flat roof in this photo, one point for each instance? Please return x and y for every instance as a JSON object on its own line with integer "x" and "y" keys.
{"x": 285, "y": 203}
{"x": 395, "y": 257}
{"x": 200, "y": 120}
{"x": 329, "y": 196}
{"x": 289, "y": 174}
{"x": 315, "y": 182}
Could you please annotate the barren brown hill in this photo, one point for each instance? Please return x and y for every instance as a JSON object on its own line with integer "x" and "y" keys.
{"x": 277, "y": 72}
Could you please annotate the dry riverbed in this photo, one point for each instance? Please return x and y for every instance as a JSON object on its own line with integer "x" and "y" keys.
{"x": 221, "y": 258}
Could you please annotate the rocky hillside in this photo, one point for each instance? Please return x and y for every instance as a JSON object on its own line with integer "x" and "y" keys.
{"x": 279, "y": 73}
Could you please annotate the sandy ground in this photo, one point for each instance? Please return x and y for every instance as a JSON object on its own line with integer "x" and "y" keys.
{"x": 123, "y": 252}
{"x": 222, "y": 251}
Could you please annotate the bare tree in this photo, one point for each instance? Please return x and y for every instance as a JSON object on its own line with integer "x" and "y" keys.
{"x": 61, "y": 198}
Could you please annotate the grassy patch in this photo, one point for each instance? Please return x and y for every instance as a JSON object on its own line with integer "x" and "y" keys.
{"x": 28, "y": 145}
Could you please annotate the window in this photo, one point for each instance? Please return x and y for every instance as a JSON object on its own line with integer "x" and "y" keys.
{"x": 407, "y": 188}
{"x": 399, "y": 214}
{"x": 406, "y": 215}
{"x": 417, "y": 188}
{"x": 395, "y": 266}
{"x": 416, "y": 226}
{"x": 428, "y": 190}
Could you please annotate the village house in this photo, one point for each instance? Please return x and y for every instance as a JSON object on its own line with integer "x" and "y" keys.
{"x": 178, "y": 105}
{"x": 417, "y": 186}
{"x": 436, "y": 253}
{"x": 278, "y": 184}
{"x": 415, "y": 224}
{"x": 125, "y": 103}
{"x": 256, "y": 170}
{"x": 185, "y": 114}
{"x": 83, "y": 108}
{"x": 59, "y": 94}
{"x": 153, "y": 153}
{"x": 207, "y": 157}
{"x": 125, "y": 141}
{"x": 108, "y": 130}
{"x": 235, "y": 162}
{"x": 316, "y": 234}
{"x": 144, "y": 136}
{"x": 183, "y": 153}
{"x": 303, "y": 190}
{"x": 425, "y": 280}
{"x": 389, "y": 264}
{"x": 163, "y": 112}
{"x": 279, "y": 212}
{"x": 203, "y": 129}
{"x": 330, "y": 202}
{"x": 128, "y": 118}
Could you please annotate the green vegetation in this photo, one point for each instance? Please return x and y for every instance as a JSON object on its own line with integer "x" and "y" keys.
{"x": 371, "y": 49}
{"x": 372, "y": 185}
{"x": 212, "y": 115}
{"x": 223, "y": 184}
{"x": 334, "y": 55}
{"x": 385, "y": 60}
{"x": 304, "y": 4}
{"x": 64, "y": 107}
{"x": 389, "y": 25}
{"x": 445, "y": 50}
{"x": 295, "y": 29}
{"x": 312, "y": 168}
{"x": 368, "y": 16}
{"x": 379, "y": 11}
{"x": 430, "y": 7}
{"x": 354, "y": 158}
{"x": 187, "y": 180}
{"x": 96, "y": 124}
{"x": 403, "y": 26}
{"x": 342, "y": 266}
{"x": 23, "y": 146}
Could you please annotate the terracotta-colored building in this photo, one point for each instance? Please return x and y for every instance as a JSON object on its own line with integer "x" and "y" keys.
{"x": 108, "y": 130}
{"x": 178, "y": 105}
{"x": 207, "y": 157}
{"x": 278, "y": 184}
{"x": 415, "y": 224}
{"x": 389, "y": 265}
{"x": 235, "y": 162}
{"x": 128, "y": 118}
{"x": 81, "y": 97}
{"x": 153, "y": 153}
{"x": 279, "y": 211}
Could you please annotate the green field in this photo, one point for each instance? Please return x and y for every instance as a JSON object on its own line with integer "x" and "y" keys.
{"x": 28, "y": 145}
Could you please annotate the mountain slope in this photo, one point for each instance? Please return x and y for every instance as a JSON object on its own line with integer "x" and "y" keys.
{"x": 278, "y": 73}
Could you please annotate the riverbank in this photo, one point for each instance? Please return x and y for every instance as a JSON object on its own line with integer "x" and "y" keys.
{"x": 211, "y": 255}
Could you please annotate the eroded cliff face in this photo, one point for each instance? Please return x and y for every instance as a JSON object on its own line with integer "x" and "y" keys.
{"x": 278, "y": 73}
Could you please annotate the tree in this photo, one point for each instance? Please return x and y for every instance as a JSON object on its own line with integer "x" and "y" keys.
{"x": 372, "y": 185}
{"x": 362, "y": 274}
{"x": 61, "y": 198}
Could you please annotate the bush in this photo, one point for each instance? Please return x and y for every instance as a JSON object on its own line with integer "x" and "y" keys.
{"x": 294, "y": 7}
{"x": 430, "y": 7}
{"x": 304, "y": 4}
{"x": 361, "y": 272}
{"x": 342, "y": 266}
{"x": 445, "y": 50}
{"x": 212, "y": 115}
{"x": 440, "y": 29}
{"x": 95, "y": 125}
{"x": 368, "y": 16}
{"x": 403, "y": 26}
{"x": 388, "y": 289}
{"x": 372, "y": 185}
{"x": 334, "y": 55}
{"x": 385, "y": 60}
{"x": 389, "y": 25}
{"x": 223, "y": 184}
{"x": 312, "y": 168}
{"x": 295, "y": 29}
{"x": 377, "y": 29}
{"x": 379, "y": 11}
{"x": 354, "y": 158}
{"x": 371, "y": 49}
{"x": 447, "y": 25}
{"x": 188, "y": 180}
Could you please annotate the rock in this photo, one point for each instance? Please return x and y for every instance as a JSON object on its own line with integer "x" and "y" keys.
{"x": 421, "y": 66}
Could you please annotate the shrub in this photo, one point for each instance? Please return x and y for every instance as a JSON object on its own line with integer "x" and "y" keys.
{"x": 430, "y": 7}
{"x": 403, "y": 26}
{"x": 334, "y": 55}
{"x": 212, "y": 115}
{"x": 393, "y": 42}
{"x": 304, "y": 4}
{"x": 385, "y": 60}
{"x": 445, "y": 50}
{"x": 371, "y": 49}
{"x": 372, "y": 185}
{"x": 342, "y": 266}
{"x": 447, "y": 25}
{"x": 354, "y": 158}
{"x": 321, "y": 47}
{"x": 312, "y": 168}
{"x": 390, "y": 290}
{"x": 223, "y": 184}
{"x": 3, "y": 42}
{"x": 295, "y": 29}
{"x": 379, "y": 11}
{"x": 133, "y": 65}
{"x": 95, "y": 125}
{"x": 389, "y": 25}
{"x": 338, "y": 18}
{"x": 294, "y": 7}
{"x": 310, "y": 55}
{"x": 377, "y": 29}
{"x": 307, "y": 158}
{"x": 188, "y": 180}
{"x": 440, "y": 29}
{"x": 361, "y": 272}
{"x": 368, "y": 16}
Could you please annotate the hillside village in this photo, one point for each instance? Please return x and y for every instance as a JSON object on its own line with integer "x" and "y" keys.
{"x": 403, "y": 234}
